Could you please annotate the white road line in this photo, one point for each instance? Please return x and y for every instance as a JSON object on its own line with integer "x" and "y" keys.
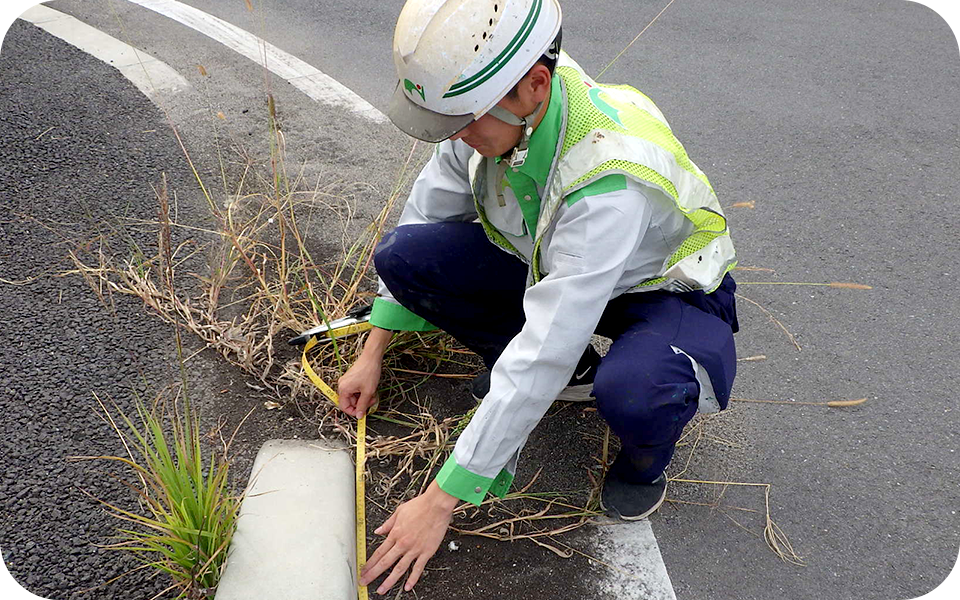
{"x": 151, "y": 76}
{"x": 304, "y": 77}
{"x": 637, "y": 572}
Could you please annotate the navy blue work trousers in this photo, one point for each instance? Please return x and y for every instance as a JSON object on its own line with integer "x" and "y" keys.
{"x": 452, "y": 276}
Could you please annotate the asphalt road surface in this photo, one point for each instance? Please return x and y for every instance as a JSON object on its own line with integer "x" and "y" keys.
{"x": 838, "y": 121}
{"x": 59, "y": 343}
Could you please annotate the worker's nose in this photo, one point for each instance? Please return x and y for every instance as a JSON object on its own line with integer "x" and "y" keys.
{"x": 463, "y": 132}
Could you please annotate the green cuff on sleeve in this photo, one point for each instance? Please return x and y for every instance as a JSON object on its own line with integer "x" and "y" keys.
{"x": 387, "y": 315}
{"x": 470, "y": 487}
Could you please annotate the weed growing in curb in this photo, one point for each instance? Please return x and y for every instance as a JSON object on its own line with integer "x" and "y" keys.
{"x": 188, "y": 514}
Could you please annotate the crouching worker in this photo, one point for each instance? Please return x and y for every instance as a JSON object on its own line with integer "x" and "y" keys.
{"x": 554, "y": 208}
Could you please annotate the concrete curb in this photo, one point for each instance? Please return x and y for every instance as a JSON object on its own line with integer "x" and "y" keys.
{"x": 296, "y": 535}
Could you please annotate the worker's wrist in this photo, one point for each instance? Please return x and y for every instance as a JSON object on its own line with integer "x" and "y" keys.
{"x": 440, "y": 498}
{"x": 376, "y": 345}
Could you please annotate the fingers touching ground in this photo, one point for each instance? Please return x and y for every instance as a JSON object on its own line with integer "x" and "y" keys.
{"x": 414, "y": 533}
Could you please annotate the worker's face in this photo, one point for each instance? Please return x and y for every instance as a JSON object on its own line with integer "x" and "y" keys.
{"x": 489, "y": 135}
{"x": 492, "y": 137}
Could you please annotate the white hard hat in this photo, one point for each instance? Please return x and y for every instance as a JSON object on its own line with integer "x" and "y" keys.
{"x": 456, "y": 59}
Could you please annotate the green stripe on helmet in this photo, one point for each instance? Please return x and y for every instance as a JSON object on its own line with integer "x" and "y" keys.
{"x": 508, "y": 53}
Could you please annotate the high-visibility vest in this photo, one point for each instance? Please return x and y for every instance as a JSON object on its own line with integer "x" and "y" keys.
{"x": 615, "y": 129}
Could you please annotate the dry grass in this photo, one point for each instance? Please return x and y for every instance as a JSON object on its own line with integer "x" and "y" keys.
{"x": 832, "y": 284}
{"x": 406, "y": 464}
{"x": 696, "y": 437}
{"x": 829, "y": 403}
{"x": 774, "y": 537}
{"x": 773, "y": 320}
{"x": 261, "y": 281}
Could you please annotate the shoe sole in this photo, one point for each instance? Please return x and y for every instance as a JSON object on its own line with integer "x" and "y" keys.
{"x": 577, "y": 393}
{"x": 649, "y": 512}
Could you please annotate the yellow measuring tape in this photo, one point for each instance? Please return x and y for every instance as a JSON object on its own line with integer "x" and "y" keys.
{"x": 361, "y": 447}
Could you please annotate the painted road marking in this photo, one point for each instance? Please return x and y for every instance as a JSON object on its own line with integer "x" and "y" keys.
{"x": 637, "y": 571}
{"x": 151, "y": 76}
{"x": 306, "y": 78}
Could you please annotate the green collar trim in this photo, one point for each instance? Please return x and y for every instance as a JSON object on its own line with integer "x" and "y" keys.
{"x": 535, "y": 170}
{"x": 543, "y": 142}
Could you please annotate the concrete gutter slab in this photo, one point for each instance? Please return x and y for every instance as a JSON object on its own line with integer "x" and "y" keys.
{"x": 296, "y": 535}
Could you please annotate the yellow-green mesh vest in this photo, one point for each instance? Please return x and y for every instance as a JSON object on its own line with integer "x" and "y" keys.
{"x": 616, "y": 129}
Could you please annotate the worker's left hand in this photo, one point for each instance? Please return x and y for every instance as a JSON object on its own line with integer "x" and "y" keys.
{"x": 414, "y": 532}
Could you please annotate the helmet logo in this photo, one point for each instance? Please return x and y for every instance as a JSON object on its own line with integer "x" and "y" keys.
{"x": 603, "y": 106}
{"x": 414, "y": 87}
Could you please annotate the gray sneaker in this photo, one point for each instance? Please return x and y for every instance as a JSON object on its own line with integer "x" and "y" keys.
{"x": 579, "y": 389}
{"x": 632, "y": 501}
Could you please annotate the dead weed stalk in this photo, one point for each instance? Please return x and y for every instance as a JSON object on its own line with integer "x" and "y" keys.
{"x": 697, "y": 435}
{"x": 263, "y": 278}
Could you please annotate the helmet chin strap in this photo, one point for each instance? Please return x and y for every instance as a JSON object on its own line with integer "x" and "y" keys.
{"x": 519, "y": 155}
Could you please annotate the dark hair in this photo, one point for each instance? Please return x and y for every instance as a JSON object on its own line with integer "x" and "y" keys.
{"x": 549, "y": 60}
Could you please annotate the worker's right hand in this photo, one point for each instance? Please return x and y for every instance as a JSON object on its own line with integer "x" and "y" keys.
{"x": 357, "y": 389}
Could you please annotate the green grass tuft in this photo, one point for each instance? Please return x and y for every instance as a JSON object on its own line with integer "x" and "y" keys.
{"x": 187, "y": 515}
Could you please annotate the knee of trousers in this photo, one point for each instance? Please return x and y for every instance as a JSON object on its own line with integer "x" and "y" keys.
{"x": 409, "y": 253}
{"x": 391, "y": 257}
{"x": 646, "y": 401}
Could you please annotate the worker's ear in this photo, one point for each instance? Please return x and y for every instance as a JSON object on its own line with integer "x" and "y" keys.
{"x": 535, "y": 86}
